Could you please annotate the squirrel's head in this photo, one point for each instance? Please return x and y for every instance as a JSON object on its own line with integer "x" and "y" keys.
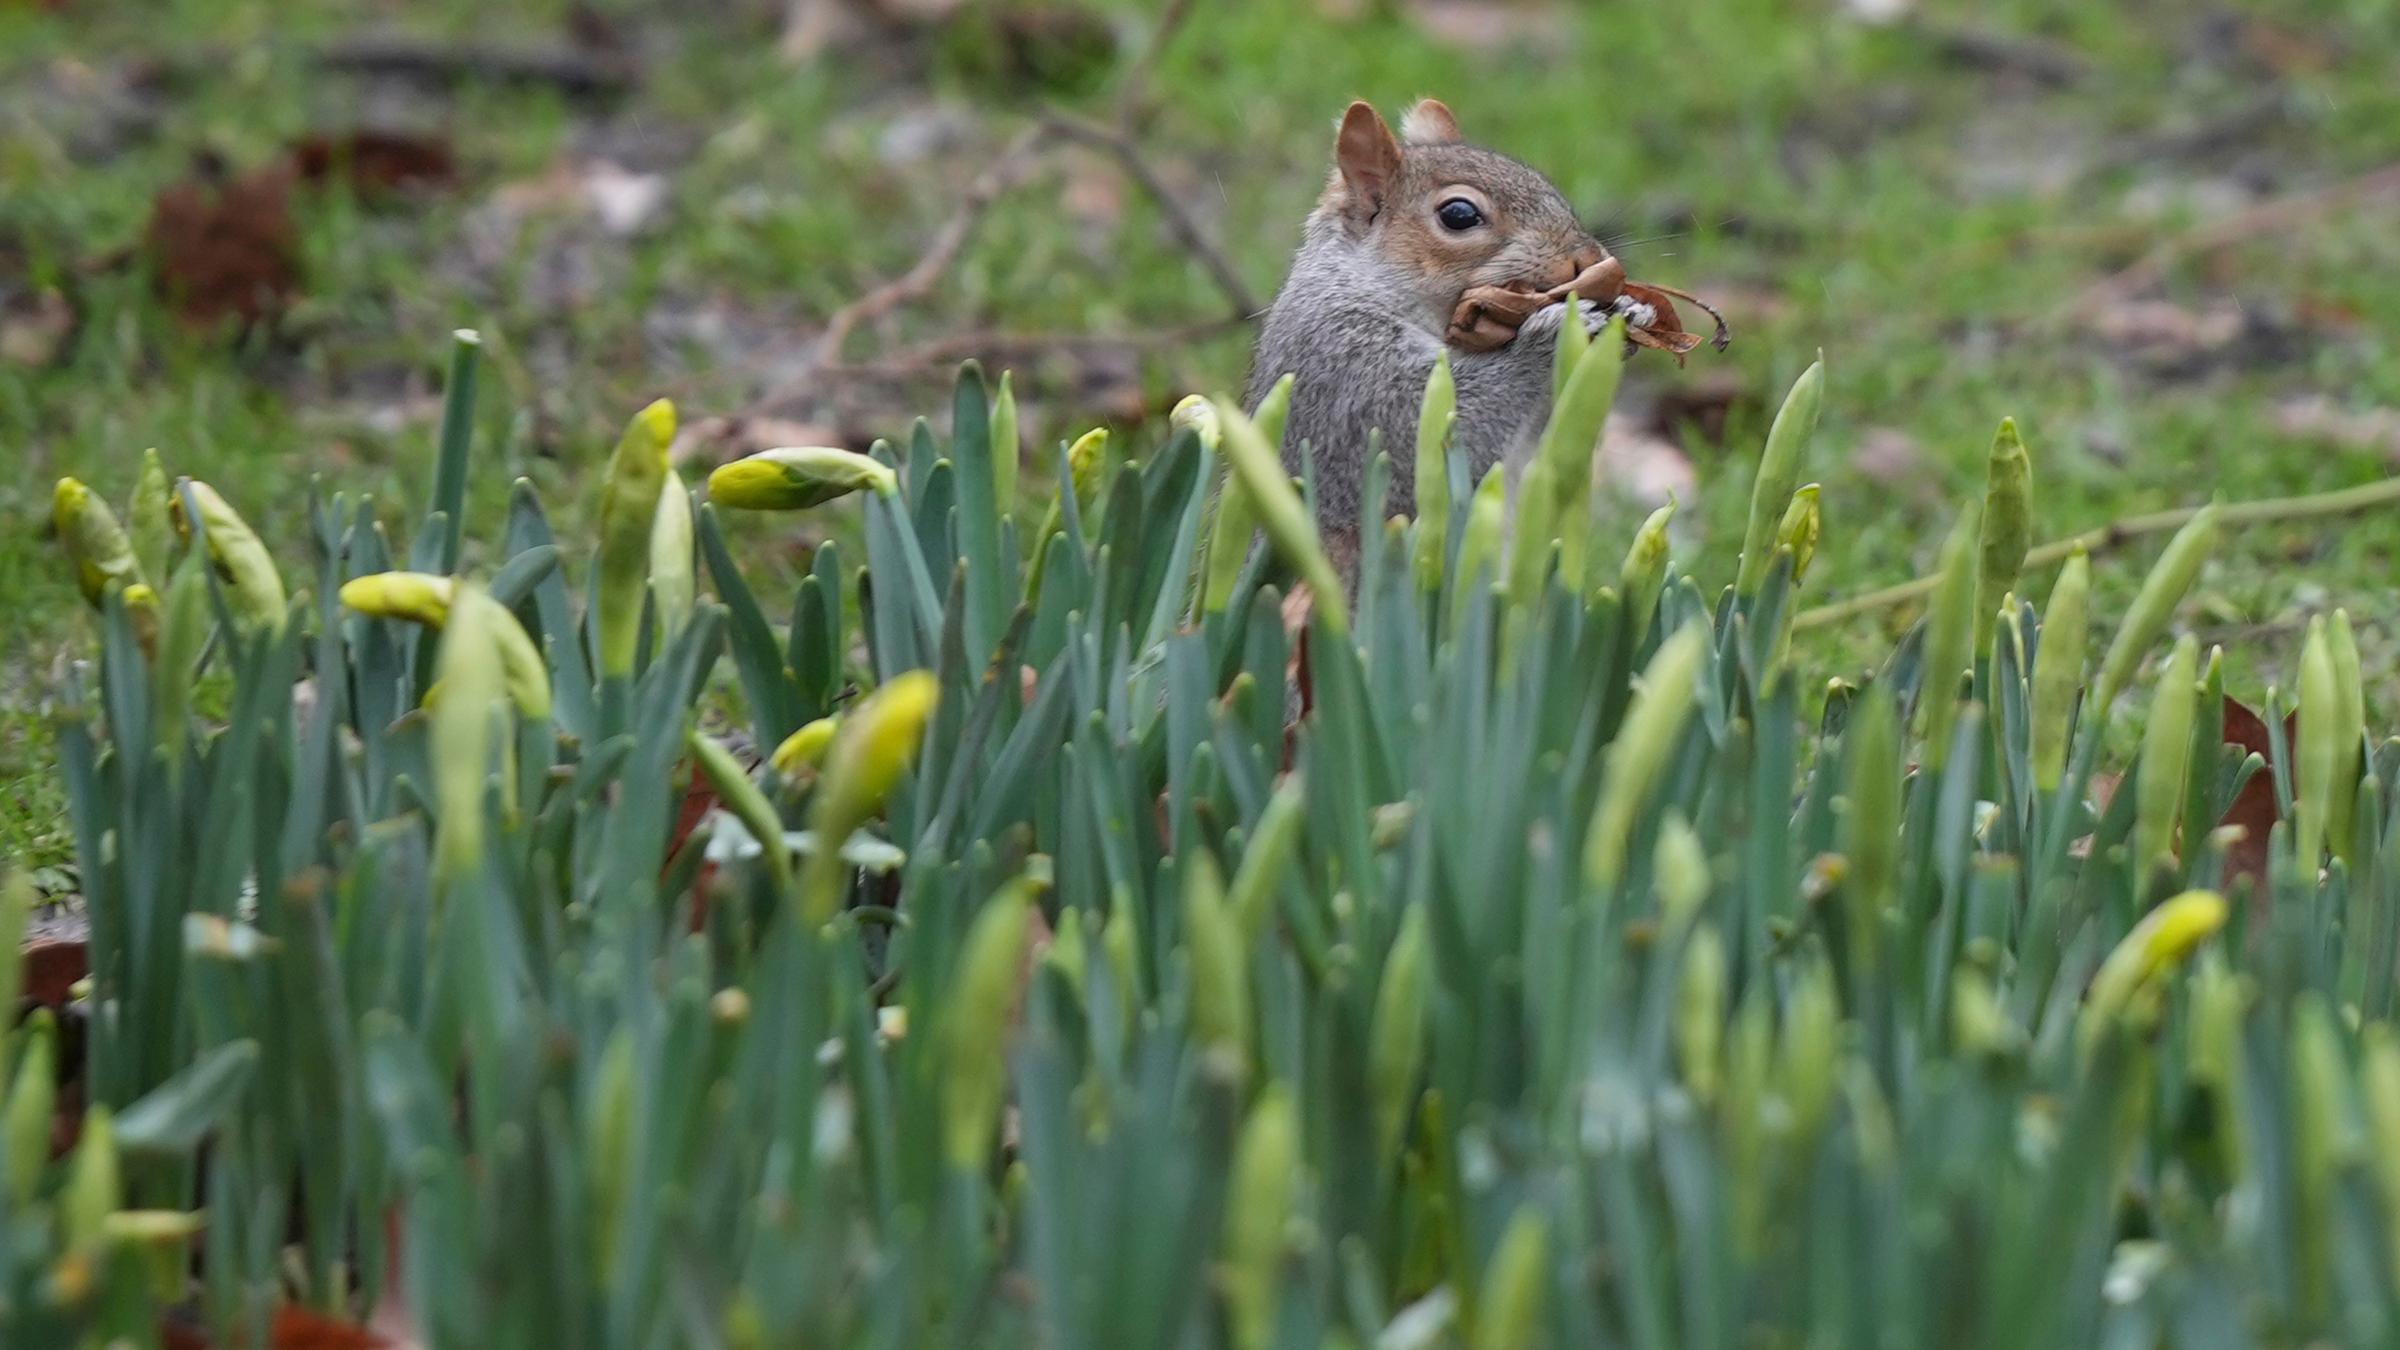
{"x": 1448, "y": 216}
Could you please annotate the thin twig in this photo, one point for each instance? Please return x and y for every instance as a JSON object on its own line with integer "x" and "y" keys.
{"x": 2265, "y": 511}
{"x": 920, "y": 279}
{"x": 573, "y": 69}
{"x": 2265, "y": 218}
{"x": 1180, "y": 223}
{"x": 1002, "y": 174}
{"x": 1137, "y": 75}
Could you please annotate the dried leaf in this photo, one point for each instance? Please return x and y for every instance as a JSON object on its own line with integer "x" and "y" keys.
{"x": 1488, "y": 317}
{"x": 226, "y": 247}
{"x": 2253, "y": 807}
{"x": 375, "y": 163}
{"x": 294, "y": 1328}
{"x": 51, "y": 969}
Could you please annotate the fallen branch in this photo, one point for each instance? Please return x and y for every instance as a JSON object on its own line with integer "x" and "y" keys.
{"x": 2266, "y": 511}
{"x": 1002, "y": 174}
{"x": 2265, "y": 219}
{"x": 1136, "y": 87}
{"x": 920, "y": 279}
{"x": 571, "y": 69}
{"x": 1180, "y": 222}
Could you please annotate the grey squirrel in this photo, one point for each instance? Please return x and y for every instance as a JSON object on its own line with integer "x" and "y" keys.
{"x": 1405, "y": 226}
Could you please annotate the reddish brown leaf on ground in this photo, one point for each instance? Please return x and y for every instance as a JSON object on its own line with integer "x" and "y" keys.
{"x": 1296, "y": 608}
{"x": 2101, "y": 789}
{"x": 51, "y": 970}
{"x": 225, "y": 247}
{"x": 292, "y": 1329}
{"x": 2253, "y": 807}
{"x": 698, "y": 800}
{"x": 376, "y": 162}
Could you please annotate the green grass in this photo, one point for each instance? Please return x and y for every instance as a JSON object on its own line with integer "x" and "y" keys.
{"x": 1847, "y": 173}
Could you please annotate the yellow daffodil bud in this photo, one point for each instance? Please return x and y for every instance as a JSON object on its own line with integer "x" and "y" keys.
{"x": 1645, "y": 739}
{"x": 974, "y": 1026}
{"x": 1120, "y": 945}
{"x": 249, "y": 570}
{"x": 419, "y": 597}
{"x": 2163, "y": 940}
{"x": 2007, "y": 527}
{"x": 1871, "y": 752}
{"x": 25, "y": 1115}
{"x": 473, "y": 675}
{"x": 1087, "y": 459}
{"x": 1644, "y": 574}
{"x": 804, "y": 749}
{"x": 1778, "y": 474}
{"x": 673, "y": 583}
{"x": 1066, "y": 953}
{"x": 1396, "y": 1038}
{"x": 1700, "y": 1013}
{"x": 1194, "y": 413}
{"x": 1479, "y": 542}
{"x": 1220, "y": 979}
{"x": 521, "y": 664}
{"x": 1437, "y": 415}
{"x": 794, "y": 478}
{"x": 147, "y": 520}
{"x": 2318, "y": 752}
{"x": 183, "y": 627}
{"x": 1260, "y": 1194}
{"x": 1508, "y": 1309}
{"x": 1949, "y": 638}
{"x": 1229, "y": 536}
{"x": 2058, "y": 669}
{"x": 94, "y": 1186}
{"x": 637, "y": 472}
{"x": 2155, "y": 603}
{"x": 142, "y": 611}
{"x": 2166, "y": 756}
{"x": 1274, "y": 409}
{"x": 608, "y": 1157}
{"x": 1574, "y": 339}
{"x": 95, "y": 544}
{"x": 1812, "y": 1050}
{"x": 2350, "y": 728}
{"x": 1258, "y": 474}
{"x": 1681, "y": 869}
{"x": 1532, "y": 540}
{"x": 1267, "y": 859}
{"x": 1007, "y": 448}
{"x": 2379, "y": 1083}
{"x": 875, "y": 745}
{"x": 1802, "y": 521}
{"x": 1571, "y": 435}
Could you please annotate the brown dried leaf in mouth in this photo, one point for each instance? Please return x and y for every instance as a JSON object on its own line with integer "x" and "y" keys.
{"x": 1488, "y": 317}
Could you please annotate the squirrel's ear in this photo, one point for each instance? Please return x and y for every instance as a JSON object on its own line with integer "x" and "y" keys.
{"x": 1367, "y": 158}
{"x": 1430, "y": 123}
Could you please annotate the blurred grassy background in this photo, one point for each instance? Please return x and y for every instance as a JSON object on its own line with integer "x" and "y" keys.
{"x": 1928, "y": 192}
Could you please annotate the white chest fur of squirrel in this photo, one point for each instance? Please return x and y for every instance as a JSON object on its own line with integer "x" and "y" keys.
{"x": 1406, "y": 225}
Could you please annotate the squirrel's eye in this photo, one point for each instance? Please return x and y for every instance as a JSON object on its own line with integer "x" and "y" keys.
{"x": 1459, "y": 214}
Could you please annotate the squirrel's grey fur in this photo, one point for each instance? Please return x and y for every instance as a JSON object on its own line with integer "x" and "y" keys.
{"x": 1359, "y": 321}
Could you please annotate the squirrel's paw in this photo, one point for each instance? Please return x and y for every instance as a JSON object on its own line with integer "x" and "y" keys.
{"x": 1551, "y": 318}
{"x": 1638, "y": 314}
